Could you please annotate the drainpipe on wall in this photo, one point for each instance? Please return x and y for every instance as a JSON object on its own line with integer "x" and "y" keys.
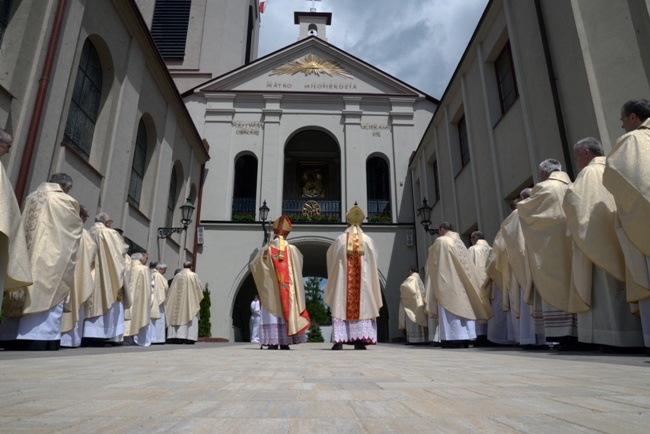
{"x": 34, "y": 124}
{"x": 566, "y": 151}
{"x": 198, "y": 217}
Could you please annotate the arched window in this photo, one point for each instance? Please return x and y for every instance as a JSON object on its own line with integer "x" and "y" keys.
{"x": 378, "y": 184}
{"x": 171, "y": 201}
{"x": 139, "y": 164}
{"x": 84, "y": 107}
{"x": 245, "y": 191}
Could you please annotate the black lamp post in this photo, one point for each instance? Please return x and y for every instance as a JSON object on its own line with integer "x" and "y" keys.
{"x": 187, "y": 209}
{"x": 264, "y": 215}
{"x": 424, "y": 212}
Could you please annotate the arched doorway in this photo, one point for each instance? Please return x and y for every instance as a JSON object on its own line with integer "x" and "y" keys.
{"x": 314, "y": 252}
{"x": 312, "y": 173}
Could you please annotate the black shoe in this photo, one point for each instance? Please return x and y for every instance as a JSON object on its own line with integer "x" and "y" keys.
{"x": 337, "y": 347}
{"x": 532, "y": 347}
{"x": 273, "y": 347}
{"x": 451, "y": 344}
{"x": 360, "y": 346}
{"x": 284, "y": 347}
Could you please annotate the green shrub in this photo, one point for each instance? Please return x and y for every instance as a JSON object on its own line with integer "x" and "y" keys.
{"x": 204, "y": 321}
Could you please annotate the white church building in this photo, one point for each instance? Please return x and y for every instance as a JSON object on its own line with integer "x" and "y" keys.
{"x": 308, "y": 131}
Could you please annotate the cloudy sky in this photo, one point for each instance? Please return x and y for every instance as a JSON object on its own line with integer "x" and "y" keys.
{"x": 418, "y": 41}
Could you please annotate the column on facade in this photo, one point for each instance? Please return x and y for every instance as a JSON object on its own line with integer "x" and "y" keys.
{"x": 403, "y": 132}
{"x": 353, "y": 181}
{"x": 272, "y": 156}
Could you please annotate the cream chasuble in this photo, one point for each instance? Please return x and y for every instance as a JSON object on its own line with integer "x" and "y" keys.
{"x": 159, "y": 293}
{"x": 338, "y": 276}
{"x": 83, "y": 281}
{"x": 109, "y": 269}
{"x": 478, "y": 254}
{"x": 287, "y": 302}
{"x": 184, "y": 299}
{"x": 140, "y": 290}
{"x": 500, "y": 272}
{"x": 637, "y": 271}
{"x": 412, "y": 302}
{"x": 53, "y": 229}
{"x": 627, "y": 177}
{"x": 13, "y": 244}
{"x": 544, "y": 226}
{"x": 515, "y": 244}
{"x": 591, "y": 213}
{"x": 452, "y": 281}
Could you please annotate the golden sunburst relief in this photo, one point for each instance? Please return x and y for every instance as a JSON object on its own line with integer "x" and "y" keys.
{"x": 312, "y": 64}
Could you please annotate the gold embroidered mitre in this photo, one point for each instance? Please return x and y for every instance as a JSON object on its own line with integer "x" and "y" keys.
{"x": 281, "y": 228}
{"x": 355, "y": 218}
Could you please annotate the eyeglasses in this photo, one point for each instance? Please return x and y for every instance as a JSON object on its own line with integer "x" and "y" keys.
{"x": 109, "y": 221}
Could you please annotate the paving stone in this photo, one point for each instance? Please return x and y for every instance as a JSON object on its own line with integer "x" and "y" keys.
{"x": 235, "y": 388}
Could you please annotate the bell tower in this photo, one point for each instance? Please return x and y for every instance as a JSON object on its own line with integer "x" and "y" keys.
{"x": 312, "y": 23}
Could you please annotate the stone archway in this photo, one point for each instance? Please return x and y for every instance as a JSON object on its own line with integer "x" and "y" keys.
{"x": 314, "y": 252}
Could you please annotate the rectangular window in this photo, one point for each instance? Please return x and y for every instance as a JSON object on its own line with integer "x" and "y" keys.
{"x": 506, "y": 79}
{"x": 169, "y": 27}
{"x": 436, "y": 180}
{"x": 463, "y": 142}
{"x": 5, "y": 12}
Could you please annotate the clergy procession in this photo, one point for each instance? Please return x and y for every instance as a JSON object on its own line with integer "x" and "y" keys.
{"x": 569, "y": 269}
{"x": 68, "y": 286}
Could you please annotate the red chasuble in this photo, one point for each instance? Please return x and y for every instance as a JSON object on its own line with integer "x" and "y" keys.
{"x": 353, "y": 290}
{"x": 283, "y": 276}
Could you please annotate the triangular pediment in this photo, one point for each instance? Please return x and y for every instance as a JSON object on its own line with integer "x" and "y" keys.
{"x": 310, "y": 65}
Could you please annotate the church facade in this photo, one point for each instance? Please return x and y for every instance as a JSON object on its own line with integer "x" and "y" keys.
{"x": 307, "y": 131}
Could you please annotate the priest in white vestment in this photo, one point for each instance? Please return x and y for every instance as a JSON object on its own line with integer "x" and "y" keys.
{"x": 453, "y": 290}
{"x": 478, "y": 253}
{"x": 522, "y": 295}
{"x": 543, "y": 224}
{"x": 627, "y": 177}
{"x": 598, "y": 294}
{"x": 502, "y": 328}
{"x": 15, "y": 270}
{"x": 53, "y": 229}
{"x": 277, "y": 270}
{"x": 158, "y": 297}
{"x": 412, "y": 312}
{"x": 137, "y": 328}
{"x": 104, "y": 309}
{"x": 73, "y": 320}
{"x": 254, "y": 325}
{"x": 352, "y": 292}
{"x": 183, "y": 306}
